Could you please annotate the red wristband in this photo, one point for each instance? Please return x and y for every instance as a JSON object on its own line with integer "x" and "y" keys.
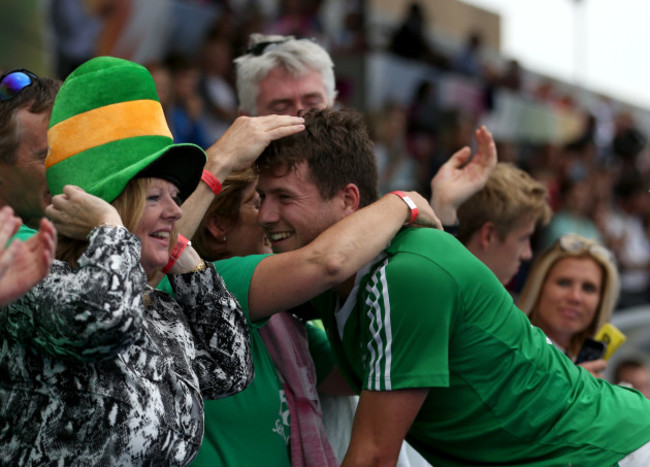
{"x": 410, "y": 203}
{"x": 176, "y": 252}
{"x": 212, "y": 181}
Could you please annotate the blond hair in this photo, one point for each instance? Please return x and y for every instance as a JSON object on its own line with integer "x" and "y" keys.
{"x": 573, "y": 246}
{"x": 129, "y": 205}
{"x": 509, "y": 196}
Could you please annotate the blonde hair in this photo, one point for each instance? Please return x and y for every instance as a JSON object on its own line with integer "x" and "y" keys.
{"x": 509, "y": 196}
{"x": 129, "y": 205}
{"x": 573, "y": 246}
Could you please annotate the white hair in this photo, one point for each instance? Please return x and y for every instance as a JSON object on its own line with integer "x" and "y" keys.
{"x": 297, "y": 56}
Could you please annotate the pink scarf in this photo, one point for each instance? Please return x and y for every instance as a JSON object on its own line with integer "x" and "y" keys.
{"x": 286, "y": 340}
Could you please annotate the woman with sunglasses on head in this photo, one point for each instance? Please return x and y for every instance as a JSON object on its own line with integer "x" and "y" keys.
{"x": 570, "y": 293}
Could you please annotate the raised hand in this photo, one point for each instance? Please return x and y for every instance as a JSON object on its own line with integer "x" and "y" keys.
{"x": 24, "y": 264}
{"x": 75, "y": 213}
{"x": 245, "y": 140}
{"x": 461, "y": 176}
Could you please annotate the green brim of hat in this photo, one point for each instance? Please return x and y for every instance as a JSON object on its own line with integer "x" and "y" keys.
{"x": 181, "y": 162}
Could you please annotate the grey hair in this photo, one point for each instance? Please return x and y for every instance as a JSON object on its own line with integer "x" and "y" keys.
{"x": 297, "y": 56}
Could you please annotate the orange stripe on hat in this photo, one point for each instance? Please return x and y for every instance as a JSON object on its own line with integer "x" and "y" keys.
{"x": 104, "y": 125}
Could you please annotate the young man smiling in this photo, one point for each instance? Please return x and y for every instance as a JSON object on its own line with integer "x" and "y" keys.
{"x": 429, "y": 336}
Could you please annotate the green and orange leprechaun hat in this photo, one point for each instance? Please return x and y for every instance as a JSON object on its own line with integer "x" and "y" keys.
{"x": 107, "y": 127}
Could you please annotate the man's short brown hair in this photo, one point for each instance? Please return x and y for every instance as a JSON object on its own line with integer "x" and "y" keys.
{"x": 36, "y": 98}
{"x": 336, "y": 146}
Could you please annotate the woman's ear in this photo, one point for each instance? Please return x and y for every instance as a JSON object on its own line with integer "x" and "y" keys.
{"x": 216, "y": 228}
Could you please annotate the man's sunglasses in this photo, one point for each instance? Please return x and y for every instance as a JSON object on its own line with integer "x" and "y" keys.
{"x": 12, "y": 82}
{"x": 260, "y": 48}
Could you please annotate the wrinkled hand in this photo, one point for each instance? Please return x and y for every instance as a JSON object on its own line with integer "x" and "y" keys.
{"x": 23, "y": 264}
{"x": 75, "y": 213}
{"x": 595, "y": 367}
{"x": 247, "y": 137}
{"x": 426, "y": 216}
{"x": 458, "y": 179}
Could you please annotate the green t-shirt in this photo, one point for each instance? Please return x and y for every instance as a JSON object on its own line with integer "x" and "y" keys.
{"x": 23, "y": 234}
{"x": 319, "y": 349}
{"x": 251, "y": 427}
{"x": 427, "y": 313}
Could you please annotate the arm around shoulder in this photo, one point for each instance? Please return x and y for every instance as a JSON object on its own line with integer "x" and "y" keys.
{"x": 289, "y": 279}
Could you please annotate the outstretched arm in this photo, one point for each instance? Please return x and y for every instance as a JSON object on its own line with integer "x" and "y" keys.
{"x": 286, "y": 280}
{"x": 237, "y": 148}
{"x": 23, "y": 264}
{"x": 375, "y": 442}
{"x": 461, "y": 176}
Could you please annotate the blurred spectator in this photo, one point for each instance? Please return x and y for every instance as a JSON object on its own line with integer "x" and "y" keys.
{"x": 422, "y": 128}
{"x": 188, "y": 124}
{"x": 137, "y": 30}
{"x": 468, "y": 62}
{"x": 628, "y": 142}
{"x": 76, "y": 29}
{"x": 410, "y": 39}
{"x": 603, "y": 110}
{"x": 424, "y": 110}
{"x": 574, "y": 214}
{"x": 297, "y": 18}
{"x": 633, "y": 252}
{"x": 511, "y": 78}
{"x": 581, "y": 152}
{"x": 633, "y": 373}
{"x": 397, "y": 169}
{"x": 455, "y": 130}
{"x": 344, "y": 24}
{"x": 216, "y": 85}
{"x": 163, "y": 81}
{"x": 547, "y": 164}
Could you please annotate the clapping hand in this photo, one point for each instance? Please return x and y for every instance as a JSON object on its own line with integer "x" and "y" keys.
{"x": 23, "y": 264}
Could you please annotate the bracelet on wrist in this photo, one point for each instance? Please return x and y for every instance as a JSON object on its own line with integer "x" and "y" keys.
{"x": 410, "y": 203}
{"x": 212, "y": 182}
{"x": 176, "y": 252}
{"x": 203, "y": 265}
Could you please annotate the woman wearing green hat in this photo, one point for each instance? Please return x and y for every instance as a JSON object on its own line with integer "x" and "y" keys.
{"x": 98, "y": 368}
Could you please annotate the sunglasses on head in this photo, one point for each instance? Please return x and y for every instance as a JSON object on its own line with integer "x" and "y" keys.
{"x": 260, "y": 48}
{"x": 12, "y": 82}
{"x": 576, "y": 244}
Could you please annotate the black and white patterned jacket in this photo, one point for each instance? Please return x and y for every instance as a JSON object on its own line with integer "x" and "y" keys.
{"x": 89, "y": 375}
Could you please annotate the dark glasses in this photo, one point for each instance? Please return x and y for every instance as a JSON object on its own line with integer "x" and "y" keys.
{"x": 13, "y": 82}
{"x": 259, "y": 48}
{"x": 576, "y": 244}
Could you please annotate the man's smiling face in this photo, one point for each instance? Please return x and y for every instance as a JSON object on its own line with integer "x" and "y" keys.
{"x": 293, "y": 212}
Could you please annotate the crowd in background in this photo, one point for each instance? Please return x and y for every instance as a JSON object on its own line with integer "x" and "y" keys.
{"x": 597, "y": 181}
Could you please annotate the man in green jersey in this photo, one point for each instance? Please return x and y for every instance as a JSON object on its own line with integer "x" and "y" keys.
{"x": 430, "y": 337}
